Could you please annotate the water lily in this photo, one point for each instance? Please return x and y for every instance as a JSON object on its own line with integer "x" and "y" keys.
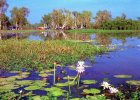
{"x": 80, "y": 64}
{"x": 105, "y": 85}
{"x": 113, "y": 90}
{"x": 20, "y": 91}
{"x": 80, "y": 67}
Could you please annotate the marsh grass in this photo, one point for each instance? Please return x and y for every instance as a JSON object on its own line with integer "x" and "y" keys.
{"x": 36, "y": 55}
{"x": 87, "y": 31}
{"x": 19, "y": 31}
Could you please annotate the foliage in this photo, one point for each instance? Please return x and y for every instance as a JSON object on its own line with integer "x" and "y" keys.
{"x": 91, "y": 91}
{"x": 8, "y": 96}
{"x": 135, "y": 95}
{"x": 96, "y": 97}
{"x": 89, "y": 82}
{"x": 122, "y": 76}
{"x": 40, "y": 55}
{"x": 91, "y": 31}
{"x": 19, "y": 16}
{"x": 133, "y": 82}
{"x": 33, "y": 87}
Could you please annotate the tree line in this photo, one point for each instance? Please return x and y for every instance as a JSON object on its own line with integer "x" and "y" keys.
{"x": 66, "y": 19}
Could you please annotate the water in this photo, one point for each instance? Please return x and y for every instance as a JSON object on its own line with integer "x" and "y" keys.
{"x": 124, "y": 59}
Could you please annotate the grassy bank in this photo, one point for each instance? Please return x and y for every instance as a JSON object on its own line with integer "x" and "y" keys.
{"x": 101, "y": 31}
{"x": 16, "y": 54}
{"x": 18, "y": 31}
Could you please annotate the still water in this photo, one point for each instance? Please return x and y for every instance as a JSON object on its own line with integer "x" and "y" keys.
{"x": 123, "y": 58}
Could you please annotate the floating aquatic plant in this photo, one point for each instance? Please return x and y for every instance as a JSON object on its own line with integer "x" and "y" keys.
{"x": 24, "y": 82}
{"x": 54, "y": 91}
{"x": 34, "y": 87}
{"x": 8, "y": 87}
{"x": 39, "y": 83}
{"x": 8, "y": 79}
{"x": 96, "y": 97}
{"x": 70, "y": 77}
{"x": 43, "y": 74}
{"x": 91, "y": 91}
{"x": 133, "y": 82}
{"x": 123, "y": 76}
{"x": 75, "y": 99}
{"x": 89, "y": 82}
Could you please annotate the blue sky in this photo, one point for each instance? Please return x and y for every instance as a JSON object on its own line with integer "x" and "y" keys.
{"x": 40, "y": 7}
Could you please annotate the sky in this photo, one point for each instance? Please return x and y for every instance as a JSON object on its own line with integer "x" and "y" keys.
{"x": 40, "y": 7}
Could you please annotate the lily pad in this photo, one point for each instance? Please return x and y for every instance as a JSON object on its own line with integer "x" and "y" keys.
{"x": 8, "y": 87}
{"x": 24, "y": 82}
{"x": 54, "y": 91}
{"x": 9, "y": 79}
{"x": 65, "y": 84}
{"x": 133, "y": 82}
{"x": 97, "y": 97}
{"x": 91, "y": 91}
{"x": 36, "y": 98}
{"x": 43, "y": 74}
{"x": 89, "y": 82}
{"x": 40, "y": 83}
{"x": 123, "y": 76}
{"x": 32, "y": 87}
{"x": 60, "y": 84}
{"x": 70, "y": 77}
{"x": 75, "y": 99}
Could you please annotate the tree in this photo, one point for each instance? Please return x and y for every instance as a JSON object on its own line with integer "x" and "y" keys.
{"x": 19, "y": 16}
{"x": 3, "y": 8}
{"x": 61, "y": 18}
{"x": 102, "y": 16}
{"x": 46, "y": 19}
{"x": 4, "y": 21}
{"x": 75, "y": 15}
{"x": 87, "y": 18}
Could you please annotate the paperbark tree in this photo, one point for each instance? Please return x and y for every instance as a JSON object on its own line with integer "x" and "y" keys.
{"x": 3, "y": 8}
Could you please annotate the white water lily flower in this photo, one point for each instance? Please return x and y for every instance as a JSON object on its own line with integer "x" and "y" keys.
{"x": 80, "y": 69}
{"x": 105, "y": 85}
{"x": 80, "y": 64}
{"x": 113, "y": 90}
{"x": 20, "y": 91}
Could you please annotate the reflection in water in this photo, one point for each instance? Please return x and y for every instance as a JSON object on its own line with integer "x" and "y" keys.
{"x": 97, "y": 39}
{"x": 103, "y": 40}
{"x": 0, "y": 36}
{"x": 4, "y": 36}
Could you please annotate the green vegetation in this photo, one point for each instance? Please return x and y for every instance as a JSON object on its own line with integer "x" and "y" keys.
{"x": 123, "y": 76}
{"x": 16, "y": 54}
{"x": 19, "y": 31}
{"x": 91, "y": 31}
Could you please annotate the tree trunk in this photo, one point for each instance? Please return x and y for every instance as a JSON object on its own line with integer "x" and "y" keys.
{"x": 16, "y": 26}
